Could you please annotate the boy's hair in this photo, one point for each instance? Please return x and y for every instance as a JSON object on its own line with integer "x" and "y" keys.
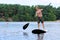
{"x": 37, "y": 6}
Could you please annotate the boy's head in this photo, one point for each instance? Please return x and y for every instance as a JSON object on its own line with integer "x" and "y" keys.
{"x": 37, "y": 7}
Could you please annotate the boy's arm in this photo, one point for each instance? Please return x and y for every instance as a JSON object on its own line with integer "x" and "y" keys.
{"x": 35, "y": 14}
{"x": 42, "y": 9}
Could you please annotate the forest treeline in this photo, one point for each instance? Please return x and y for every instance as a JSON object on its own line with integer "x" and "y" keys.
{"x": 16, "y": 12}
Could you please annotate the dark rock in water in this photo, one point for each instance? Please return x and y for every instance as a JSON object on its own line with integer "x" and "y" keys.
{"x": 25, "y": 26}
{"x": 38, "y": 31}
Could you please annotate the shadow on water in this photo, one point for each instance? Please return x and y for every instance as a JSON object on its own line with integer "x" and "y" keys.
{"x": 40, "y": 36}
{"x": 25, "y": 34}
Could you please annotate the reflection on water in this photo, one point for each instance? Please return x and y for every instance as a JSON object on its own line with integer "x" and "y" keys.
{"x": 25, "y": 34}
{"x": 40, "y": 36}
{"x": 14, "y": 31}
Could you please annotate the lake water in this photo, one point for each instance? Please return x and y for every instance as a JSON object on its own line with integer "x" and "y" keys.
{"x": 14, "y": 31}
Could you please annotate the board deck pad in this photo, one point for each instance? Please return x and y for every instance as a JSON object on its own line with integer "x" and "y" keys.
{"x": 25, "y": 26}
{"x": 38, "y": 31}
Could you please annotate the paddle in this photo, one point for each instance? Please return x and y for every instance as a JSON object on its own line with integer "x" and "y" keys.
{"x": 25, "y": 26}
{"x": 38, "y": 31}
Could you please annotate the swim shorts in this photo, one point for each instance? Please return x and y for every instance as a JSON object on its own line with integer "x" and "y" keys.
{"x": 40, "y": 19}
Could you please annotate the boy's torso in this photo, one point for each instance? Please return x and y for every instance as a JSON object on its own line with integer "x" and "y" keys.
{"x": 39, "y": 13}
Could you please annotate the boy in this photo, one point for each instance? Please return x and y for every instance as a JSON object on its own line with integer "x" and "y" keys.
{"x": 39, "y": 15}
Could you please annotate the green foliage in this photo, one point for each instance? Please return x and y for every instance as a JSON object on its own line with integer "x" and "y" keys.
{"x": 16, "y": 17}
{"x": 27, "y": 13}
{"x": 1, "y": 19}
{"x": 58, "y": 13}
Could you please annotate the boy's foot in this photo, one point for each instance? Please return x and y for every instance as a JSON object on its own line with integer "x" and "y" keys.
{"x": 45, "y": 30}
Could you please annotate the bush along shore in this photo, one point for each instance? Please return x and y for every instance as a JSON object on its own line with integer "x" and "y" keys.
{"x": 16, "y": 12}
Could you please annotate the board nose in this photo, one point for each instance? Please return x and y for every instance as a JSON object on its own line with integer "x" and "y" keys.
{"x": 25, "y": 26}
{"x": 38, "y": 31}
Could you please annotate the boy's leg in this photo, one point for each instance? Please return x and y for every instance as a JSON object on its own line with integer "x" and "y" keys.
{"x": 38, "y": 22}
{"x": 42, "y": 21}
{"x": 38, "y": 25}
{"x": 43, "y": 25}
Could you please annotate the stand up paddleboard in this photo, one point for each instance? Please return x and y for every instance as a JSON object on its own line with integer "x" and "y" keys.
{"x": 25, "y": 26}
{"x": 38, "y": 31}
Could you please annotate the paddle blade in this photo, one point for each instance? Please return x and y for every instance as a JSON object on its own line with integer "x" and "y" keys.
{"x": 38, "y": 31}
{"x": 25, "y": 26}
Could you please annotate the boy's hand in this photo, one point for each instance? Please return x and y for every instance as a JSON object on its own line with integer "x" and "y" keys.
{"x": 35, "y": 15}
{"x": 41, "y": 9}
